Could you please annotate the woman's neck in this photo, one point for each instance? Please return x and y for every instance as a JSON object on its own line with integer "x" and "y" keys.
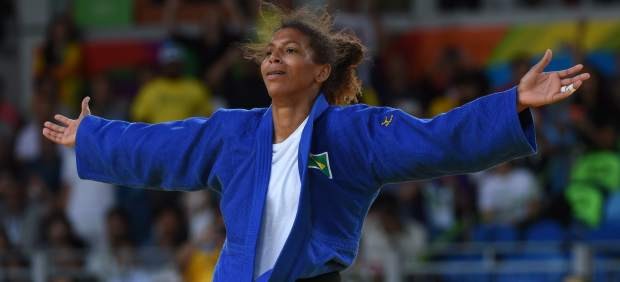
{"x": 288, "y": 114}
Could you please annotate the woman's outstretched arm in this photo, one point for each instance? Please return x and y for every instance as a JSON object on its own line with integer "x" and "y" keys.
{"x": 173, "y": 155}
{"x": 475, "y": 136}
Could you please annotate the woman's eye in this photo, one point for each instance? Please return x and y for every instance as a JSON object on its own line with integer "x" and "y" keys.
{"x": 291, "y": 50}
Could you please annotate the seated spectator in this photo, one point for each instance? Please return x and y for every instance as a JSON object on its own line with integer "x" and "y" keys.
{"x": 115, "y": 260}
{"x": 200, "y": 212}
{"x": 171, "y": 96}
{"x": 107, "y": 104}
{"x": 66, "y": 251}
{"x": 466, "y": 87}
{"x": 198, "y": 258}
{"x": 508, "y": 195}
{"x": 39, "y": 157}
{"x": 18, "y": 218}
{"x": 60, "y": 59}
{"x": 43, "y": 104}
{"x": 213, "y": 48}
{"x": 450, "y": 205}
{"x": 14, "y": 264}
{"x": 388, "y": 239}
{"x": 169, "y": 234}
{"x": 84, "y": 202}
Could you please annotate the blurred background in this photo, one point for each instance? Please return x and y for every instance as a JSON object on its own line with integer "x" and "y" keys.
{"x": 551, "y": 217}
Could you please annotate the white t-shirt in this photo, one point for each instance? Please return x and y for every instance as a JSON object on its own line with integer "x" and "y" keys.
{"x": 507, "y": 195}
{"x": 87, "y": 203}
{"x": 281, "y": 202}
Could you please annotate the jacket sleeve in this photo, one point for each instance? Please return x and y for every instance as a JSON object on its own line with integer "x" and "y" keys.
{"x": 473, "y": 137}
{"x": 173, "y": 155}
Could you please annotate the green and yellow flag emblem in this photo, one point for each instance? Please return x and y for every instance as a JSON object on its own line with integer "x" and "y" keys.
{"x": 321, "y": 162}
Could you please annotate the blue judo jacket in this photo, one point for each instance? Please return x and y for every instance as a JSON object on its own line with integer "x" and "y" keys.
{"x": 346, "y": 154}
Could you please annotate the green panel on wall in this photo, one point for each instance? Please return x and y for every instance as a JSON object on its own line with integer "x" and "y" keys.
{"x": 103, "y": 13}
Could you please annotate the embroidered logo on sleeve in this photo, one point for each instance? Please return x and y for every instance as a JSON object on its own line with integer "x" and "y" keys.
{"x": 321, "y": 162}
{"x": 386, "y": 122}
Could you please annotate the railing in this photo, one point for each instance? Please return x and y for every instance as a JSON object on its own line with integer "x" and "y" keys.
{"x": 44, "y": 265}
{"x": 446, "y": 262}
{"x": 537, "y": 261}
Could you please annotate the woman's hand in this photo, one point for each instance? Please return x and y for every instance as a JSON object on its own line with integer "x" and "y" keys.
{"x": 538, "y": 88}
{"x": 64, "y": 134}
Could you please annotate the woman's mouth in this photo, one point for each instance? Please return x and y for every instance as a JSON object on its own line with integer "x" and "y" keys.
{"x": 275, "y": 74}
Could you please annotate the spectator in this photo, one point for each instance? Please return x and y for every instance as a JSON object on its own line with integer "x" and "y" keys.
{"x": 594, "y": 104}
{"x": 508, "y": 195}
{"x": 43, "y": 103}
{"x": 466, "y": 86}
{"x": 220, "y": 62}
{"x": 398, "y": 90}
{"x": 171, "y": 96}
{"x": 200, "y": 211}
{"x": 14, "y": 265}
{"x": 214, "y": 47}
{"x": 449, "y": 206}
{"x": 169, "y": 234}
{"x": 115, "y": 260}
{"x": 244, "y": 87}
{"x": 84, "y": 202}
{"x": 60, "y": 59}
{"x": 198, "y": 259}
{"x": 389, "y": 240}
{"x": 558, "y": 140}
{"x": 366, "y": 24}
{"x": 65, "y": 249}
{"x": 39, "y": 157}
{"x": 19, "y": 218}
{"x": 108, "y": 104}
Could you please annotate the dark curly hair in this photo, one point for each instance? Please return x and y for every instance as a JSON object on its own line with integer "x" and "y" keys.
{"x": 340, "y": 49}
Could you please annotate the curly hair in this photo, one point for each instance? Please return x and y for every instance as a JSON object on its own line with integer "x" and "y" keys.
{"x": 340, "y": 49}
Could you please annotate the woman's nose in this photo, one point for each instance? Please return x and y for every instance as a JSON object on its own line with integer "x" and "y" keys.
{"x": 275, "y": 58}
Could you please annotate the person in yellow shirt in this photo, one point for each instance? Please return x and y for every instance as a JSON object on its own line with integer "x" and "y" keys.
{"x": 61, "y": 58}
{"x": 171, "y": 96}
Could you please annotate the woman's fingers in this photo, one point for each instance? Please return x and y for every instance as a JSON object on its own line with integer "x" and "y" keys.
{"x": 571, "y": 71}
{"x": 85, "y": 109}
{"x": 542, "y": 64}
{"x": 563, "y": 95}
{"x": 54, "y": 127}
{"x": 63, "y": 119}
{"x": 580, "y": 77}
{"x": 51, "y": 135}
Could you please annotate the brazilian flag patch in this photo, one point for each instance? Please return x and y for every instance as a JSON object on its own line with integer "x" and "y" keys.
{"x": 321, "y": 162}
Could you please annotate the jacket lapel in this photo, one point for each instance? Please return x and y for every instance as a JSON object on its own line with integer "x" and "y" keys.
{"x": 290, "y": 258}
{"x": 262, "y": 173}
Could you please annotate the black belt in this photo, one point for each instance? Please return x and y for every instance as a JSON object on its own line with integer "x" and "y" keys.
{"x": 327, "y": 277}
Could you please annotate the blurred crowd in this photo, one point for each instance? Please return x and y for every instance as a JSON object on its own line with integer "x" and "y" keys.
{"x": 95, "y": 231}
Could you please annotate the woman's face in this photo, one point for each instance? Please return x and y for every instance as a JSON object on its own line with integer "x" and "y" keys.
{"x": 288, "y": 68}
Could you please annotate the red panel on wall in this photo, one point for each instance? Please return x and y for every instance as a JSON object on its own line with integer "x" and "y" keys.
{"x": 100, "y": 56}
{"x": 424, "y": 47}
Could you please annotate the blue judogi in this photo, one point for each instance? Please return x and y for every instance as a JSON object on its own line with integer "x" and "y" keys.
{"x": 346, "y": 154}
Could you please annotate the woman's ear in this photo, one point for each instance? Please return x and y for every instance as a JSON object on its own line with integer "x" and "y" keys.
{"x": 323, "y": 73}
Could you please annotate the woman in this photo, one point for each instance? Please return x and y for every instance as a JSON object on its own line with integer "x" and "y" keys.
{"x": 297, "y": 179}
